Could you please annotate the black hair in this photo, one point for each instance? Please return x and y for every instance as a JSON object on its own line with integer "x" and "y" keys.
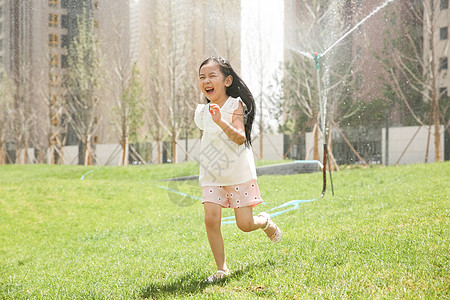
{"x": 238, "y": 88}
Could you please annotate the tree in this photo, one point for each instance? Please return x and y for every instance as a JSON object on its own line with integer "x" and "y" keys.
{"x": 411, "y": 63}
{"x": 82, "y": 81}
{"x": 25, "y": 114}
{"x": 126, "y": 89}
{"x": 320, "y": 23}
{"x": 153, "y": 90}
{"x": 56, "y": 122}
{"x": 6, "y": 107}
{"x": 300, "y": 107}
{"x": 167, "y": 79}
{"x": 128, "y": 110}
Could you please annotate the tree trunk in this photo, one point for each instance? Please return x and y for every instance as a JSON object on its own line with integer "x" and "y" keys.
{"x": 316, "y": 142}
{"x": 174, "y": 148}
{"x": 25, "y": 155}
{"x": 40, "y": 155}
{"x": 2, "y": 154}
{"x": 25, "y": 149}
{"x": 52, "y": 153}
{"x": 434, "y": 94}
{"x": 428, "y": 138}
{"x": 90, "y": 152}
{"x": 124, "y": 151}
{"x": 261, "y": 125}
{"x": 330, "y": 147}
{"x": 261, "y": 136}
{"x": 86, "y": 152}
{"x": 158, "y": 143}
{"x": 437, "y": 136}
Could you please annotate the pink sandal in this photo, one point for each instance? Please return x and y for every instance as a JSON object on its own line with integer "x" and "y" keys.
{"x": 276, "y": 236}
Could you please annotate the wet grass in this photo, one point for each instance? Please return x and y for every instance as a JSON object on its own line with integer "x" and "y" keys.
{"x": 116, "y": 234}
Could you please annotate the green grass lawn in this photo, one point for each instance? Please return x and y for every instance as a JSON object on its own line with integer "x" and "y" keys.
{"x": 117, "y": 235}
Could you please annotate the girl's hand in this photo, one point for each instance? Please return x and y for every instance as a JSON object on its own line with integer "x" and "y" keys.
{"x": 214, "y": 110}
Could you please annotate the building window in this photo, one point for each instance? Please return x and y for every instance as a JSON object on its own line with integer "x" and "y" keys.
{"x": 54, "y": 80}
{"x": 359, "y": 80}
{"x": 53, "y": 3}
{"x": 54, "y": 60}
{"x": 393, "y": 19}
{"x": 444, "y": 33}
{"x": 65, "y": 21}
{"x": 53, "y": 20}
{"x": 444, "y": 4}
{"x": 55, "y": 120}
{"x": 53, "y": 100}
{"x": 53, "y": 40}
{"x": 64, "y": 63}
{"x": 443, "y": 63}
{"x": 359, "y": 52}
{"x": 65, "y": 41}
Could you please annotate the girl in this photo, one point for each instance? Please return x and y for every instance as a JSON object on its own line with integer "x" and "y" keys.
{"x": 227, "y": 168}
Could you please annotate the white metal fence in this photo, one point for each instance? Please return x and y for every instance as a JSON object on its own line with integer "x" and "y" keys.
{"x": 406, "y": 145}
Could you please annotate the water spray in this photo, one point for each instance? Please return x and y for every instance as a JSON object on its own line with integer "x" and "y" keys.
{"x": 324, "y": 128}
{"x": 323, "y": 103}
{"x": 357, "y": 25}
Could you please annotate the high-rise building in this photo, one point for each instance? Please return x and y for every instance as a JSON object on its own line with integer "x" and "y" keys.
{"x": 3, "y": 33}
{"x": 438, "y": 22}
{"x": 396, "y": 50}
{"x": 35, "y": 37}
{"x": 369, "y": 38}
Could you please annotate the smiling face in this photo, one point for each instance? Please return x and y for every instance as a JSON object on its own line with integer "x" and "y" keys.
{"x": 213, "y": 83}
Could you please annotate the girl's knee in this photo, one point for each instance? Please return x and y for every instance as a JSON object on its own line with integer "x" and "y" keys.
{"x": 245, "y": 225}
{"x": 212, "y": 220}
{"x": 213, "y": 214}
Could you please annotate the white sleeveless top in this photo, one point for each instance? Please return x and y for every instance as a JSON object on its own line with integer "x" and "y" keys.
{"x": 222, "y": 161}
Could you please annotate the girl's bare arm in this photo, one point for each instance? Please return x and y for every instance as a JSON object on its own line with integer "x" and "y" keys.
{"x": 236, "y": 130}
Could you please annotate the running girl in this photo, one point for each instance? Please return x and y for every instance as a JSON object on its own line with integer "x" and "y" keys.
{"x": 227, "y": 167}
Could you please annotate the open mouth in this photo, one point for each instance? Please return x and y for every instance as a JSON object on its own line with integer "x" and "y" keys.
{"x": 209, "y": 90}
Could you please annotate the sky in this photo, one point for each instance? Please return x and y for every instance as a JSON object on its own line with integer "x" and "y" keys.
{"x": 261, "y": 18}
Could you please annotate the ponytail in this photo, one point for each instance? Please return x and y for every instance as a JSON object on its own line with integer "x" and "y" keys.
{"x": 238, "y": 88}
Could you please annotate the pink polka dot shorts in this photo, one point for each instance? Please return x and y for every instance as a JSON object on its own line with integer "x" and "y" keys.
{"x": 233, "y": 196}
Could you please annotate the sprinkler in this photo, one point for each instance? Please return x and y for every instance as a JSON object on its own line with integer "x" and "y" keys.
{"x": 323, "y": 106}
{"x": 316, "y": 59}
{"x": 323, "y": 113}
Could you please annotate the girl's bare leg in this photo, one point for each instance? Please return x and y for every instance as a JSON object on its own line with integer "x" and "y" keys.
{"x": 247, "y": 222}
{"x": 213, "y": 215}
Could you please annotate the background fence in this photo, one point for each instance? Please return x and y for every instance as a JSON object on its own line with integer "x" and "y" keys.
{"x": 405, "y": 145}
